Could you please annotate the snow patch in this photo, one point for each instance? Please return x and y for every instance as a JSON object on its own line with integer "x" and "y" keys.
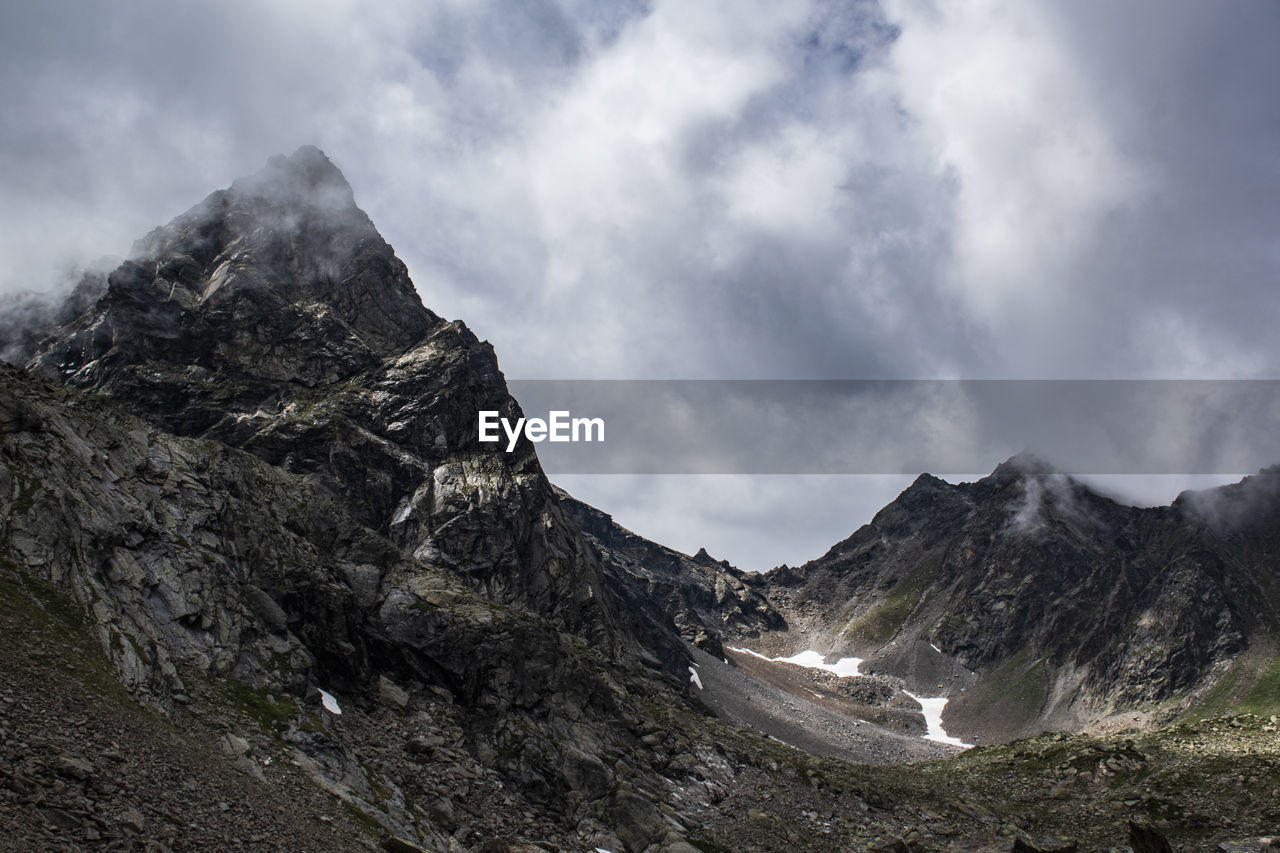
{"x": 932, "y": 708}
{"x": 330, "y": 704}
{"x": 845, "y": 667}
{"x": 693, "y": 676}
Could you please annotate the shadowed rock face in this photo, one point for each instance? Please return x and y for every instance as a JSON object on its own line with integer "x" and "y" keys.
{"x": 668, "y": 594}
{"x": 283, "y": 485}
{"x": 193, "y": 562}
{"x": 273, "y": 317}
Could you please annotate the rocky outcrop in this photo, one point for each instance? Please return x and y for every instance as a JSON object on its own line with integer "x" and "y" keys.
{"x": 663, "y": 591}
{"x": 280, "y": 277}
{"x": 199, "y": 563}
{"x": 182, "y": 549}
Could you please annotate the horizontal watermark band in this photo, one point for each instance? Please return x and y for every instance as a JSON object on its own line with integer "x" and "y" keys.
{"x": 910, "y": 426}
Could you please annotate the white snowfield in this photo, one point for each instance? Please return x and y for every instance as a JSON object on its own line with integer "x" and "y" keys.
{"x": 933, "y": 719}
{"x": 845, "y": 667}
{"x": 693, "y": 676}
{"x": 848, "y": 668}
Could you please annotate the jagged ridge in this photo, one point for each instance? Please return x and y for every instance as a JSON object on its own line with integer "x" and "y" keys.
{"x": 1068, "y": 605}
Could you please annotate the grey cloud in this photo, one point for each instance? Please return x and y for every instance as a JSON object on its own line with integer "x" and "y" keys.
{"x": 27, "y": 317}
{"x": 772, "y": 198}
{"x": 1174, "y": 276}
{"x": 197, "y": 95}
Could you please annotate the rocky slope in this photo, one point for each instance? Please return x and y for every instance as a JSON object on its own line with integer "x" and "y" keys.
{"x": 199, "y": 563}
{"x": 716, "y": 608}
{"x": 1048, "y": 604}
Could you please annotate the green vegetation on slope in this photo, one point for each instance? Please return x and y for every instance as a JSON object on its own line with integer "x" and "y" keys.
{"x": 1250, "y": 685}
{"x": 886, "y": 617}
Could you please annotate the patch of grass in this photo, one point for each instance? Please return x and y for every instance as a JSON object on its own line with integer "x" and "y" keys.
{"x": 1243, "y": 688}
{"x": 224, "y": 389}
{"x": 1264, "y": 697}
{"x": 1012, "y": 694}
{"x": 380, "y": 791}
{"x": 1218, "y": 699}
{"x": 1027, "y": 688}
{"x": 312, "y": 723}
{"x": 880, "y": 623}
{"x": 365, "y": 822}
{"x": 253, "y": 703}
{"x": 55, "y": 626}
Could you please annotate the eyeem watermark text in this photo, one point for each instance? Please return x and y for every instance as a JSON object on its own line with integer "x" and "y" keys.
{"x": 559, "y": 426}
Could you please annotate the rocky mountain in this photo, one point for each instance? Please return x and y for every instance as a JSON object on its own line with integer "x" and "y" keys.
{"x": 25, "y": 318}
{"x": 274, "y": 318}
{"x": 259, "y": 464}
{"x": 262, "y": 588}
{"x": 1035, "y": 602}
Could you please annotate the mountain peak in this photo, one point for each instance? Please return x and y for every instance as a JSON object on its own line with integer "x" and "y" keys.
{"x": 1023, "y": 465}
{"x": 303, "y": 198}
{"x": 927, "y": 482}
{"x": 307, "y": 176}
{"x": 281, "y": 276}
{"x": 702, "y": 558}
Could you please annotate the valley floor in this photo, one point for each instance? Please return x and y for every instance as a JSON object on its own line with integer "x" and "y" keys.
{"x": 806, "y": 724}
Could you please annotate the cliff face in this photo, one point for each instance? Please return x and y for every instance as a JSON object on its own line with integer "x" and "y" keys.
{"x": 1066, "y": 605}
{"x": 272, "y": 317}
{"x": 227, "y": 593}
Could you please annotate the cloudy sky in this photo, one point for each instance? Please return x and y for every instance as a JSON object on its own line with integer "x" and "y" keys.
{"x": 616, "y": 189}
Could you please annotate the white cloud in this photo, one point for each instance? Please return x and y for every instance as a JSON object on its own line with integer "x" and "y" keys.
{"x": 1002, "y": 103}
